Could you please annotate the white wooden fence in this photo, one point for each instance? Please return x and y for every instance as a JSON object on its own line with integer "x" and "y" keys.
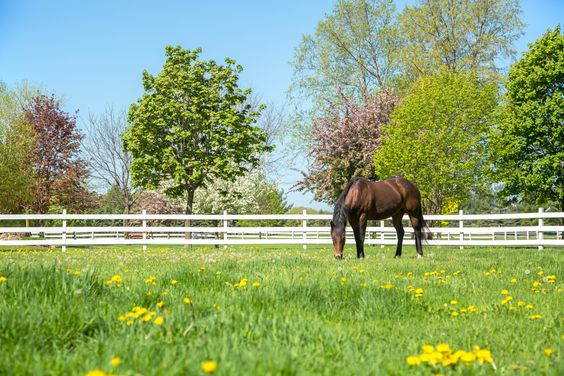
{"x": 144, "y": 229}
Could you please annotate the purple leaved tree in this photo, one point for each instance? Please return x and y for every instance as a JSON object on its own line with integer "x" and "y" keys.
{"x": 343, "y": 142}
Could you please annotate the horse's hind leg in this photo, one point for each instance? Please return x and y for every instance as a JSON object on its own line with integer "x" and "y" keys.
{"x": 396, "y": 220}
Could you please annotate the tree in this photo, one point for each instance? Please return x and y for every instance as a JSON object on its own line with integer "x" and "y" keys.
{"x": 343, "y": 144}
{"x": 438, "y": 137}
{"x": 60, "y": 175}
{"x": 16, "y": 143}
{"x": 530, "y": 139}
{"x": 272, "y": 121}
{"x": 462, "y": 35}
{"x": 109, "y": 163}
{"x": 354, "y": 51}
{"x": 192, "y": 126}
{"x": 251, "y": 193}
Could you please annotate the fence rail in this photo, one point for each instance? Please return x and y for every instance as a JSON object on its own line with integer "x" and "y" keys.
{"x": 143, "y": 229}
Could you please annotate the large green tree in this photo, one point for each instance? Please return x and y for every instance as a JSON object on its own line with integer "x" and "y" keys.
{"x": 16, "y": 144}
{"x": 459, "y": 34}
{"x": 354, "y": 51}
{"x": 437, "y": 137}
{"x": 530, "y": 139}
{"x": 192, "y": 126}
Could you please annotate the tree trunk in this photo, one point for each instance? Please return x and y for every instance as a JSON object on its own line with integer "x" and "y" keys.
{"x": 188, "y": 211}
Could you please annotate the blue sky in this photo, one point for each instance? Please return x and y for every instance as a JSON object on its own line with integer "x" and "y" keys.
{"x": 92, "y": 53}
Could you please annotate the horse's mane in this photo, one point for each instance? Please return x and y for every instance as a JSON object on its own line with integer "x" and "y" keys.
{"x": 341, "y": 211}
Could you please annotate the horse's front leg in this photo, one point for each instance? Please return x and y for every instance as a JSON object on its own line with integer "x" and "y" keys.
{"x": 359, "y": 229}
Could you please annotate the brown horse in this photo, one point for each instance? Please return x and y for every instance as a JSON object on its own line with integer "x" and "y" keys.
{"x": 364, "y": 200}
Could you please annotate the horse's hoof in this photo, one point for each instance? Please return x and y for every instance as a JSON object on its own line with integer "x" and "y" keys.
{"x": 339, "y": 257}
{"x": 396, "y": 256}
{"x": 419, "y": 256}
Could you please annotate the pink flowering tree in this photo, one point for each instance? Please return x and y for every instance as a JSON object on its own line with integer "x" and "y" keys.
{"x": 343, "y": 142}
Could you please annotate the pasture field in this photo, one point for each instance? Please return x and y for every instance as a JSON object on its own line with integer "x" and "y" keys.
{"x": 281, "y": 311}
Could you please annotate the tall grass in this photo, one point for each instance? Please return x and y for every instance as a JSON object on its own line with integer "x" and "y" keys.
{"x": 300, "y": 312}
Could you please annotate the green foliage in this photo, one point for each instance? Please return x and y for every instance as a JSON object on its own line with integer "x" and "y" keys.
{"x": 310, "y": 314}
{"x": 530, "y": 139}
{"x": 463, "y": 35}
{"x": 438, "y": 138}
{"x": 16, "y": 144}
{"x": 112, "y": 201}
{"x": 192, "y": 126}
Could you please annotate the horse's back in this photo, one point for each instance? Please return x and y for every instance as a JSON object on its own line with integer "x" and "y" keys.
{"x": 384, "y": 198}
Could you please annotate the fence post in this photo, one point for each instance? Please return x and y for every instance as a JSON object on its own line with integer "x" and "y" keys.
{"x": 304, "y": 225}
{"x": 225, "y": 228}
{"x": 540, "y": 233}
{"x": 382, "y": 233}
{"x": 461, "y": 225}
{"x": 144, "y": 229}
{"x": 64, "y": 247}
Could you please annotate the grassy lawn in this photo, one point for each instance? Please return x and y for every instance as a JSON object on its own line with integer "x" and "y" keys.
{"x": 280, "y": 311}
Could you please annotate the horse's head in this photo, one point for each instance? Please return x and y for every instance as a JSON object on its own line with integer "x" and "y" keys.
{"x": 338, "y": 234}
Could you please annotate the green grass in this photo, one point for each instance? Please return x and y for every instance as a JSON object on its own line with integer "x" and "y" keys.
{"x": 311, "y": 314}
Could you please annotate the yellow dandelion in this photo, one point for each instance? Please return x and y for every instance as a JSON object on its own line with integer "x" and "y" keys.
{"x": 209, "y": 366}
{"x": 513, "y": 280}
{"x": 535, "y": 317}
{"x": 548, "y": 351}
{"x": 116, "y": 361}
{"x": 454, "y": 314}
{"x": 187, "y": 301}
{"x": 147, "y": 317}
{"x": 158, "y": 321}
{"x": 218, "y": 273}
{"x": 467, "y": 357}
{"x": 453, "y": 302}
{"x": 216, "y": 306}
{"x": 256, "y": 284}
{"x": 173, "y": 282}
{"x": 96, "y": 372}
{"x": 551, "y": 279}
{"x": 428, "y": 349}
{"x": 520, "y": 303}
{"x": 484, "y": 356}
{"x": 3, "y": 279}
{"x": 413, "y": 360}
{"x": 504, "y": 292}
{"x": 160, "y": 304}
{"x": 529, "y": 306}
{"x": 343, "y": 280}
{"x": 443, "y": 348}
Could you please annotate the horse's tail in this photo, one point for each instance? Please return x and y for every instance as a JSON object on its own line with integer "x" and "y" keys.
{"x": 425, "y": 232}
